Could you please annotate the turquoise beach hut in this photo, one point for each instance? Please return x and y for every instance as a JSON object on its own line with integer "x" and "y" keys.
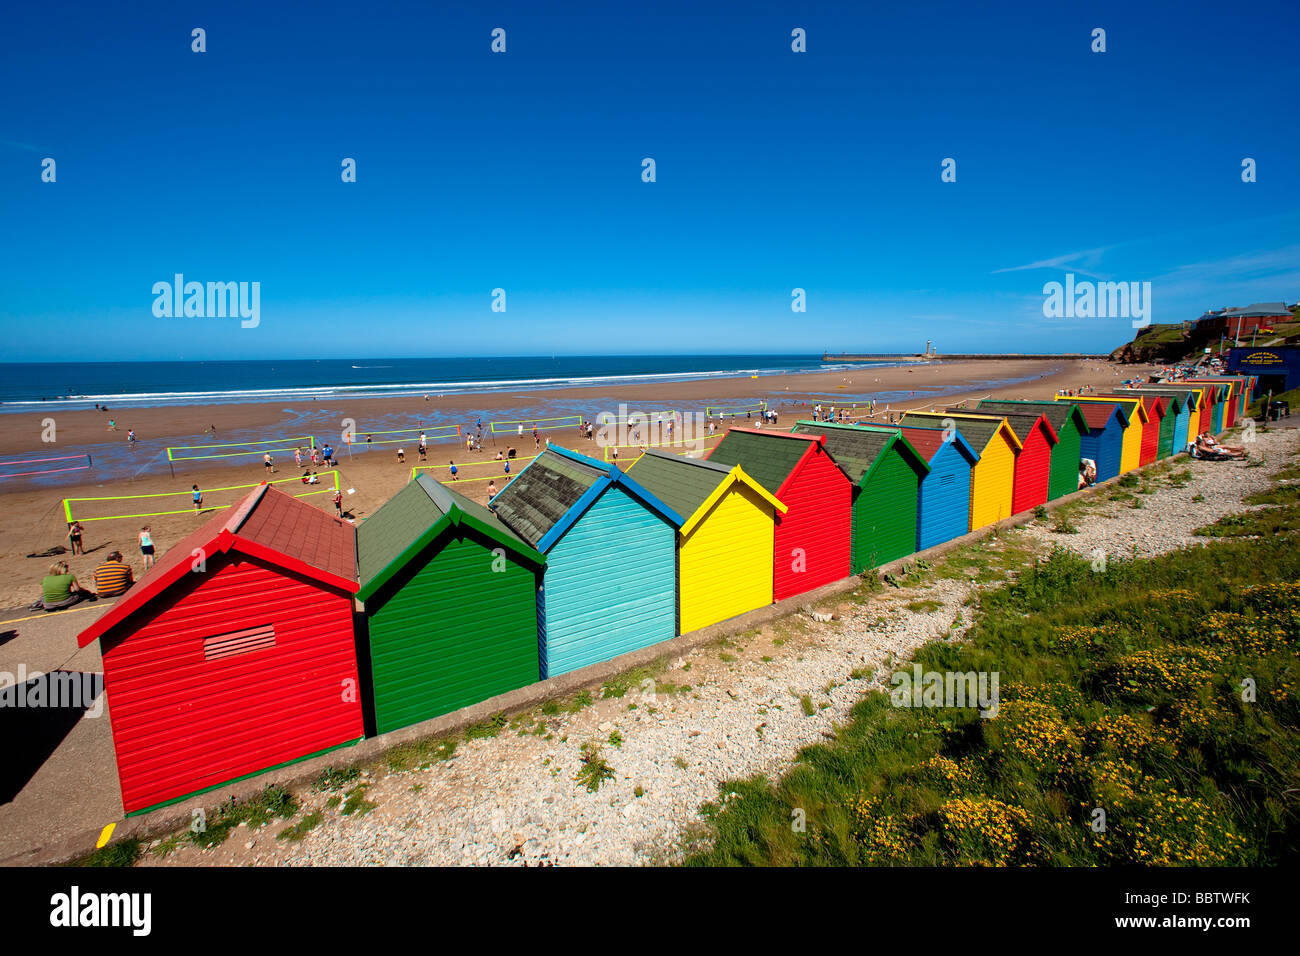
{"x": 610, "y": 584}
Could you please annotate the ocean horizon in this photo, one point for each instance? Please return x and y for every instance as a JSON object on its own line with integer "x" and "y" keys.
{"x": 24, "y": 386}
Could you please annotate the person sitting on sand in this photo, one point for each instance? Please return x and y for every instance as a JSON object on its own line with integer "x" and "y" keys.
{"x": 314, "y": 479}
{"x": 59, "y": 589}
{"x": 113, "y": 577}
{"x": 306, "y": 477}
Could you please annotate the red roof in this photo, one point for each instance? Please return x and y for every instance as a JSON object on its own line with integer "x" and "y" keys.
{"x": 1097, "y": 414}
{"x": 267, "y": 524}
{"x": 927, "y": 441}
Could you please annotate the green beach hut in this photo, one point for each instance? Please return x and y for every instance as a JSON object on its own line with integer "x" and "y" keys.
{"x": 450, "y": 599}
{"x": 886, "y": 472}
{"x": 1069, "y": 424}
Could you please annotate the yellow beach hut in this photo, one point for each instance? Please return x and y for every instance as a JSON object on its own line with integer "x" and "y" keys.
{"x": 993, "y": 477}
{"x": 1130, "y": 455}
{"x": 725, "y": 546}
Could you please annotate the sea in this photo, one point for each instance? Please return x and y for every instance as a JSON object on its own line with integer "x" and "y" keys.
{"x": 149, "y": 384}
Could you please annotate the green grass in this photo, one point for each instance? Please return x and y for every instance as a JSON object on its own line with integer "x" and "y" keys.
{"x": 420, "y": 753}
{"x": 272, "y": 802}
{"x": 485, "y": 729}
{"x": 595, "y": 770}
{"x": 335, "y": 778}
{"x": 122, "y": 853}
{"x": 1118, "y": 689}
{"x": 300, "y": 829}
{"x": 927, "y": 606}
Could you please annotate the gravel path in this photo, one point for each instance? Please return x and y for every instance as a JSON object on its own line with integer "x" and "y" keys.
{"x": 723, "y": 712}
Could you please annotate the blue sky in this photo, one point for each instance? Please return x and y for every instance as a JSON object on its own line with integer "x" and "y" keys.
{"x": 522, "y": 171}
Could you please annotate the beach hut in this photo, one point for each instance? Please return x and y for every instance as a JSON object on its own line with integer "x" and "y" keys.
{"x": 812, "y": 539}
{"x": 1157, "y": 429}
{"x": 235, "y": 652}
{"x": 1135, "y": 429}
{"x": 886, "y": 472}
{"x": 1220, "y": 395}
{"x": 1104, "y": 442}
{"x": 611, "y": 558}
{"x": 993, "y": 478}
{"x": 1068, "y": 423}
{"x": 725, "y": 545}
{"x": 1195, "y": 400}
{"x": 1034, "y": 462}
{"x": 1228, "y": 398}
{"x": 1179, "y": 409}
{"x": 450, "y": 602}
{"x": 943, "y": 507}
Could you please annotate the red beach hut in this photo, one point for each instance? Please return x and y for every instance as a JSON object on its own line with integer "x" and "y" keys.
{"x": 813, "y": 536}
{"x": 1034, "y": 463}
{"x": 235, "y": 653}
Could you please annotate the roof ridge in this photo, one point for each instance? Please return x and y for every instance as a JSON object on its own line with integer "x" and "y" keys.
{"x": 246, "y": 508}
{"x": 687, "y": 460}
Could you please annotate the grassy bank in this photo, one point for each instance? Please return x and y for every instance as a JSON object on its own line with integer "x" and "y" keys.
{"x": 1120, "y": 690}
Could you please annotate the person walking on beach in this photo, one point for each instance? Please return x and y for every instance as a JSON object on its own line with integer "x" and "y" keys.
{"x": 197, "y": 497}
{"x": 422, "y": 438}
{"x": 74, "y": 538}
{"x": 424, "y": 450}
{"x": 338, "y": 502}
{"x": 146, "y": 546}
{"x": 369, "y": 439}
{"x": 492, "y": 488}
{"x": 452, "y": 469}
{"x": 537, "y": 442}
{"x": 130, "y": 436}
{"x": 521, "y": 429}
{"x": 297, "y": 457}
{"x": 112, "y": 424}
{"x": 507, "y": 466}
{"x": 267, "y": 461}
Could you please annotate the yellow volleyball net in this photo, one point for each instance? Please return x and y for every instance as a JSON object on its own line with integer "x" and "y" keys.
{"x": 91, "y": 509}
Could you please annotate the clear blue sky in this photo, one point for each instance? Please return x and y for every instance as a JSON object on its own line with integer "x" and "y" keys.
{"x": 523, "y": 171}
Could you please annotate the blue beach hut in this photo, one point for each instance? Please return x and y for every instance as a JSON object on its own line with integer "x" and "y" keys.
{"x": 1104, "y": 442}
{"x": 944, "y": 505}
{"x": 610, "y": 584}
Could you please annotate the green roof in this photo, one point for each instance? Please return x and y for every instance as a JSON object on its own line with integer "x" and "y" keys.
{"x": 681, "y": 483}
{"x": 542, "y": 494}
{"x": 768, "y": 459}
{"x": 1057, "y": 413}
{"x": 978, "y": 431}
{"x": 407, "y": 517}
{"x": 854, "y": 448}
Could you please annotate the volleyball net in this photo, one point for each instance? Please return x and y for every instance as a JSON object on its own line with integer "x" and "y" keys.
{"x": 443, "y": 472}
{"x": 639, "y": 418}
{"x": 88, "y": 509}
{"x": 735, "y": 411}
{"x": 630, "y": 453}
{"x": 363, "y": 439}
{"x": 541, "y": 424}
{"x": 282, "y": 446}
{"x": 61, "y": 463}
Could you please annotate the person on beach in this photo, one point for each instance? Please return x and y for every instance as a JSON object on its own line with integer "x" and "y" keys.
{"x": 297, "y": 457}
{"x": 314, "y": 479}
{"x": 328, "y": 455}
{"x": 401, "y": 456}
{"x": 197, "y": 497}
{"x": 369, "y": 439}
{"x": 59, "y": 589}
{"x": 507, "y": 466}
{"x": 74, "y": 538}
{"x": 521, "y": 429}
{"x": 424, "y": 451}
{"x": 130, "y": 436}
{"x": 146, "y": 546}
{"x": 452, "y": 468}
{"x": 537, "y": 442}
{"x": 338, "y": 502}
{"x": 492, "y": 488}
{"x": 422, "y": 438}
{"x": 112, "y": 424}
{"x": 306, "y": 477}
{"x": 113, "y": 577}
{"x": 267, "y": 461}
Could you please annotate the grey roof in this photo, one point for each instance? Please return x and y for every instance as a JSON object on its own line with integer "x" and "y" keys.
{"x": 767, "y": 457}
{"x": 854, "y": 449}
{"x": 1057, "y": 413}
{"x": 1258, "y": 309}
{"x": 978, "y": 431}
{"x": 681, "y": 483}
{"x": 407, "y": 515}
{"x": 542, "y": 494}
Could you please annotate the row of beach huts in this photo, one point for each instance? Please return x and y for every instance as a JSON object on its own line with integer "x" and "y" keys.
{"x": 276, "y": 632}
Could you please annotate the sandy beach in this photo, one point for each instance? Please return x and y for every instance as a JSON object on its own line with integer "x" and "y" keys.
{"x": 34, "y": 520}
